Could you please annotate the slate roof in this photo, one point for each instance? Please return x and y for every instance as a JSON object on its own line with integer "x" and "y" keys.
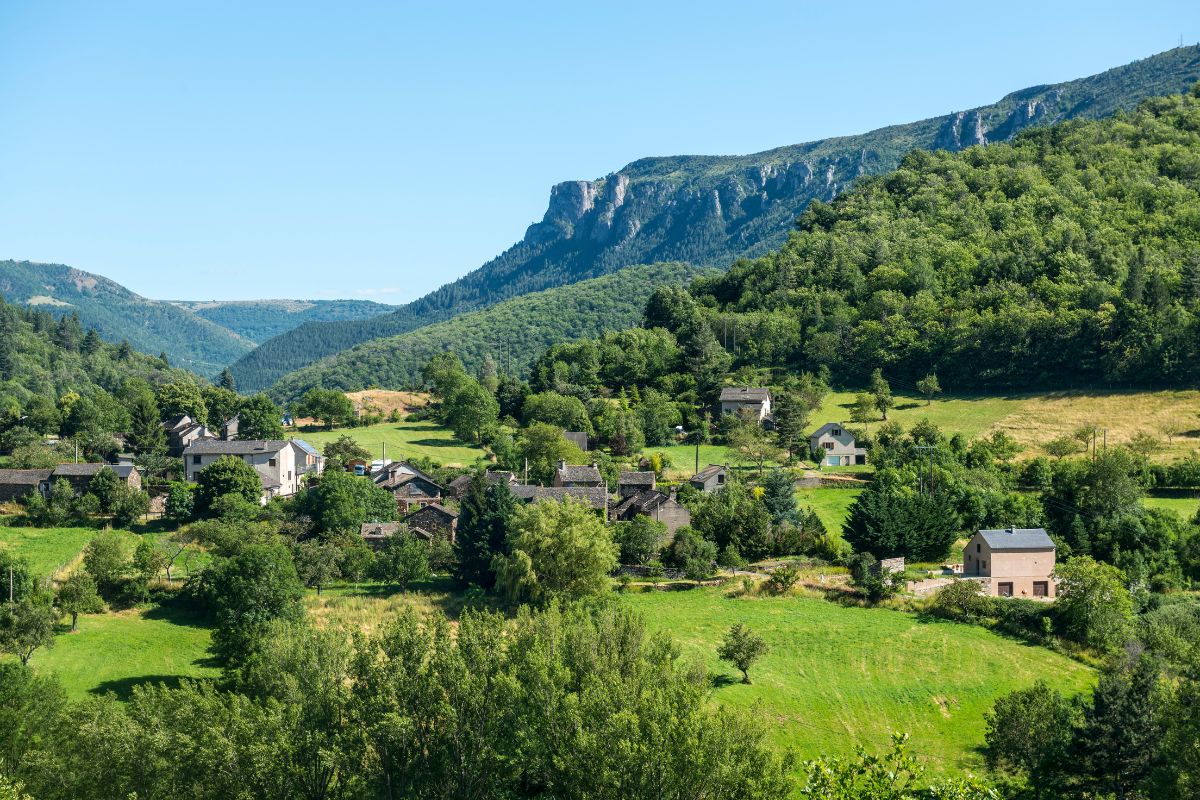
{"x": 24, "y": 477}
{"x": 595, "y": 496}
{"x": 1018, "y": 539}
{"x": 578, "y": 473}
{"x": 744, "y": 394}
{"x": 708, "y": 472}
{"x": 436, "y": 508}
{"x": 89, "y": 470}
{"x": 641, "y": 503}
{"x": 235, "y": 448}
{"x": 637, "y": 479}
{"x": 378, "y": 530}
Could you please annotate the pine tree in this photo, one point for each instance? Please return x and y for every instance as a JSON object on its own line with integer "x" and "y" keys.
{"x": 483, "y": 522}
{"x": 1122, "y": 734}
{"x": 226, "y": 381}
{"x": 146, "y": 435}
{"x": 779, "y": 495}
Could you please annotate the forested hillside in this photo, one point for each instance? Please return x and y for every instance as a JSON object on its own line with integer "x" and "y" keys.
{"x": 118, "y": 314}
{"x": 1068, "y": 257}
{"x": 711, "y": 210}
{"x": 513, "y": 332}
{"x": 44, "y": 357}
{"x": 259, "y": 320}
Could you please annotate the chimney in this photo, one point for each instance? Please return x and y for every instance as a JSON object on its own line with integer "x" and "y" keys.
{"x": 562, "y": 463}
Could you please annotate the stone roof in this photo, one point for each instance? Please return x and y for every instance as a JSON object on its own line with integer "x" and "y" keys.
{"x": 24, "y": 477}
{"x": 378, "y": 530}
{"x": 595, "y": 496}
{"x": 89, "y": 470}
{"x": 637, "y": 479}
{"x": 235, "y": 448}
{"x": 578, "y": 473}
{"x": 744, "y": 394}
{"x": 435, "y": 508}
{"x": 1018, "y": 539}
{"x": 641, "y": 503}
{"x": 708, "y": 472}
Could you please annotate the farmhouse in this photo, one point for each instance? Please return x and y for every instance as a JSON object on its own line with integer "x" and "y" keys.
{"x": 1014, "y": 562}
{"x": 577, "y": 475}
{"x": 182, "y": 431}
{"x": 594, "y": 496}
{"x": 710, "y": 478}
{"x": 375, "y": 534}
{"x": 432, "y": 521}
{"x": 749, "y": 401}
{"x": 631, "y": 483}
{"x": 18, "y": 483}
{"x": 836, "y": 446}
{"x": 411, "y": 487}
{"x": 656, "y": 505}
{"x": 458, "y": 487}
{"x": 275, "y": 461}
{"x": 80, "y": 475}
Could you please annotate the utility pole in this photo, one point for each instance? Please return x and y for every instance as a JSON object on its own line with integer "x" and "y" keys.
{"x": 929, "y": 448}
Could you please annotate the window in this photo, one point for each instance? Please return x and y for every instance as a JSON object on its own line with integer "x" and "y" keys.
{"x": 828, "y": 445}
{"x": 1041, "y": 588}
{"x": 195, "y": 459}
{"x": 720, "y": 479}
{"x": 978, "y": 547}
{"x": 1004, "y": 589}
{"x": 836, "y": 432}
{"x": 271, "y": 463}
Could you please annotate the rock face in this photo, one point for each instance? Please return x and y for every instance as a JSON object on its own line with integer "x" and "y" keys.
{"x": 711, "y": 210}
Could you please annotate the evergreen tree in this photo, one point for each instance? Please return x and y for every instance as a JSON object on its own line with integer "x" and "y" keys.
{"x": 146, "y": 434}
{"x": 483, "y": 524}
{"x": 779, "y": 496}
{"x": 226, "y": 381}
{"x": 1122, "y": 735}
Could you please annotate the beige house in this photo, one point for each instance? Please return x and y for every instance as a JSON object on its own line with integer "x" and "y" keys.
{"x": 834, "y": 446}
{"x": 1014, "y": 562}
{"x": 277, "y": 462}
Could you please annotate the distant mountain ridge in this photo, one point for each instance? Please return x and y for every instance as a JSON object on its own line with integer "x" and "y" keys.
{"x": 712, "y": 210}
{"x": 260, "y": 320}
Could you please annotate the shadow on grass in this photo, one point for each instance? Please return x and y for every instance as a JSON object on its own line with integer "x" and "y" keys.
{"x": 723, "y": 681}
{"x": 438, "y": 443}
{"x": 123, "y": 688}
{"x": 177, "y": 612}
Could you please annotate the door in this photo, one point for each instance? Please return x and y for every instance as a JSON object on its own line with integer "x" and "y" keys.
{"x": 1004, "y": 589}
{"x": 1041, "y": 588}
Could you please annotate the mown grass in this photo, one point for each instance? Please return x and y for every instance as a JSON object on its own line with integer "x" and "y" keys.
{"x": 403, "y": 439}
{"x": 831, "y": 505}
{"x": 114, "y": 652}
{"x": 46, "y": 549}
{"x": 1186, "y": 507}
{"x": 838, "y": 676}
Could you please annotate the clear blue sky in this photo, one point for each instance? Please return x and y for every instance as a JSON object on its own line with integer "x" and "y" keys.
{"x": 238, "y": 150}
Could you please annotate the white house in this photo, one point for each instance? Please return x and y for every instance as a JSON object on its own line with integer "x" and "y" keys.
{"x": 754, "y": 401}
{"x": 836, "y": 446}
{"x": 278, "y": 463}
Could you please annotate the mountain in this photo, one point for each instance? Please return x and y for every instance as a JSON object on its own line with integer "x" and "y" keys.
{"x": 514, "y": 332}
{"x": 117, "y": 314}
{"x": 260, "y": 320}
{"x": 712, "y": 210}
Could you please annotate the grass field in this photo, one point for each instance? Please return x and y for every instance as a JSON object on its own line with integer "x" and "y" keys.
{"x": 831, "y": 505}
{"x": 46, "y": 549}
{"x": 1034, "y": 419}
{"x": 1185, "y": 507}
{"x": 404, "y": 440}
{"x": 836, "y": 676}
{"x": 115, "y": 652}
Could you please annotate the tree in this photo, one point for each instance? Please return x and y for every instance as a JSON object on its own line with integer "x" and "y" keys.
{"x": 357, "y": 561}
{"x": 403, "y": 560}
{"x": 742, "y": 647}
{"x": 342, "y": 502}
{"x": 148, "y": 560}
{"x": 541, "y": 446}
{"x": 888, "y": 523}
{"x": 753, "y": 443}
{"x": 247, "y": 593}
{"x": 182, "y": 398}
{"x": 317, "y": 563}
{"x": 16, "y": 580}
{"x": 105, "y": 560}
{"x": 1121, "y": 738}
{"x": 146, "y": 434}
{"x": 328, "y": 405}
{"x": 225, "y": 476}
{"x": 1030, "y": 733}
{"x": 863, "y": 409}
{"x": 929, "y": 386}
{"x": 733, "y": 515}
{"x": 181, "y": 502}
{"x": 561, "y": 411}
{"x": 471, "y": 411}
{"x": 1064, "y": 446}
{"x": 129, "y": 505}
{"x": 259, "y": 418}
{"x": 881, "y": 393}
{"x": 639, "y": 539}
{"x": 25, "y": 627}
{"x": 779, "y": 496}
{"x": 556, "y": 551}
{"x": 1093, "y": 606}
{"x": 223, "y": 404}
{"x": 792, "y": 414}
{"x": 345, "y": 449}
{"x": 78, "y": 595}
{"x": 226, "y": 381}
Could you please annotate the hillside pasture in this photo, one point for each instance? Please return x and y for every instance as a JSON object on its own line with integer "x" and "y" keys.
{"x": 404, "y": 439}
{"x": 838, "y": 676}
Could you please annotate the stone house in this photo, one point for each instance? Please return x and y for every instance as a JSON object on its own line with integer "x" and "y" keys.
{"x": 710, "y": 479}
{"x": 656, "y": 505}
{"x": 411, "y": 487}
{"x": 433, "y": 520}
{"x": 574, "y": 475}
{"x": 836, "y": 446}
{"x": 457, "y": 488}
{"x": 275, "y": 461}
{"x": 80, "y": 475}
{"x": 751, "y": 401}
{"x": 18, "y": 483}
{"x": 594, "y": 496}
{"x": 631, "y": 483}
{"x": 375, "y": 534}
{"x": 1013, "y": 562}
{"x": 182, "y": 432}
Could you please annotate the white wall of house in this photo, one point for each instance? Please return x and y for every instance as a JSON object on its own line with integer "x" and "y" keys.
{"x": 280, "y": 465}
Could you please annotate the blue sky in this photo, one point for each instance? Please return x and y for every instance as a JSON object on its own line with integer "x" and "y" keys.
{"x": 241, "y": 150}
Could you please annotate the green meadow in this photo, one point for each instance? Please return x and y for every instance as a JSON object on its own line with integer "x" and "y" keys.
{"x": 402, "y": 440}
